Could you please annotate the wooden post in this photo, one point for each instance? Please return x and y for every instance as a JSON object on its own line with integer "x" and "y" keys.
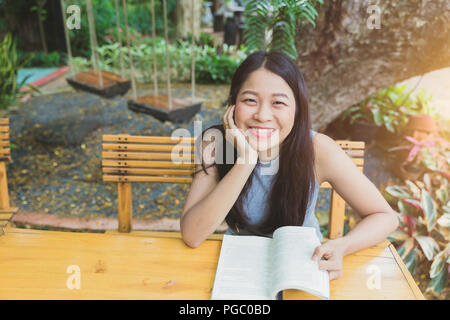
{"x": 4, "y": 196}
{"x": 119, "y": 36}
{"x": 125, "y": 17}
{"x": 155, "y": 70}
{"x": 193, "y": 52}
{"x": 166, "y": 40}
{"x": 93, "y": 38}
{"x": 66, "y": 34}
{"x": 337, "y": 216}
{"x": 125, "y": 206}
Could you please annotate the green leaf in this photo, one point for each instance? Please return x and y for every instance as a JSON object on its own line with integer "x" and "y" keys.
{"x": 398, "y": 235}
{"x": 444, "y": 220}
{"x": 412, "y": 260}
{"x": 406, "y": 248}
{"x": 439, "y": 282}
{"x": 398, "y": 192}
{"x": 429, "y": 209}
{"x": 438, "y": 264}
{"x": 428, "y": 245}
{"x": 413, "y": 188}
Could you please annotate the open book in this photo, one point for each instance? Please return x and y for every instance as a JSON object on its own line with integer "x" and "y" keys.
{"x": 258, "y": 268}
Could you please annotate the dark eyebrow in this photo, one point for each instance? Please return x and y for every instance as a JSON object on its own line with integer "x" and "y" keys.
{"x": 256, "y": 94}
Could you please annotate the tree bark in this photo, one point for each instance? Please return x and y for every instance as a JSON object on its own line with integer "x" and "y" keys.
{"x": 184, "y": 18}
{"x": 41, "y": 5}
{"x": 344, "y": 61}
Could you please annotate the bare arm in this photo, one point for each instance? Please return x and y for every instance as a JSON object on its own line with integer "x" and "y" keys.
{"x": 379, "y": 219}
{"x": 209, "y": 201}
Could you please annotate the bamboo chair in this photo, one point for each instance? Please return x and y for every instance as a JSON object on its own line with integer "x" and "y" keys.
{"x": 127, "y": 159}
{"x": 6, "y": 211}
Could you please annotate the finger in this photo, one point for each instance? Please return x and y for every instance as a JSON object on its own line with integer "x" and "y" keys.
{"x": 230, "y": 119}
{"x": 318, "y": 253}
{"x": 335, "y": 274}
{"x": 330, "y": 265}
{"x": 224, "y": 116}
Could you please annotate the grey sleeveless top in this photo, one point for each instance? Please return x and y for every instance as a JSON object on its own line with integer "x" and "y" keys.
{"x": 255, "y": 203}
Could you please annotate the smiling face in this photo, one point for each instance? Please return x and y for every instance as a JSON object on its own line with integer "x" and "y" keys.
{"x": 265, "y": 111}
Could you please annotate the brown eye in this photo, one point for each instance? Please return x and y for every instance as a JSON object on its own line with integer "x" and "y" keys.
{"x": 279, "y": 102}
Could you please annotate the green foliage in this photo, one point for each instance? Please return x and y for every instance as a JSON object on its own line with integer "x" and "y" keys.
{"x": 40, "y": 59}
{"x": 391, "y": 108}
{"x": 279, "y": 17}
{"x": 210, "y": 66}
{"x": 10, "y": 65}
{"x": 139, "y": 19}
{"x": 423, "y": 236}
{"x": 432, "y": 153}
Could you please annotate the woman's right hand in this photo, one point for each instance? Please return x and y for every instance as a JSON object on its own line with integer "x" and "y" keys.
{"x": 237, "y": 138}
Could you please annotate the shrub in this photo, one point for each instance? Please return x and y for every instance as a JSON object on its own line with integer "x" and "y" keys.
{"x": 422, "y": 239}
{"x": 391, "y": 108}
{"x": 10, "y": 65}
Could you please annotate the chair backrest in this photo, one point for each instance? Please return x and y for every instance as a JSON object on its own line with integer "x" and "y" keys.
{"x": 4, "y": 140}
{"x": 128, "y": 158}
{"x": 6, "y": 211}
{"x": 355, "y": 150}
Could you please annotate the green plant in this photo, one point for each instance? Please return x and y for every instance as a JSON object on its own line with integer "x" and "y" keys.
{"x": 139, "y": 19}
{"x": 280, "y": 17}
{"x": 422, "y": 239}
{"x": 433, "y": 154}
{"x": 391, "y": 108}
{"x": 211, "y": 67}
{"x": 10, "y": 65}
{"x": 40, "y": 59}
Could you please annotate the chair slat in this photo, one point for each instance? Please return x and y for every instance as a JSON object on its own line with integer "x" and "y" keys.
{"x": 108, "y": 178}
{"x": 141, "y": 155}
{"x": 147, "y": 139}
{"x": 4, "y": 121}
{"x": 126, "y": 171}
{"x": 4, "y": 136}
{"x": 146, "y": 147}
{"x": 351, "y": 144}
{"x": 147, "y": 164}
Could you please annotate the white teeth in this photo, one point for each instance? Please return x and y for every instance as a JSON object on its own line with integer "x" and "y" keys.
{"x": 263, "y": 130}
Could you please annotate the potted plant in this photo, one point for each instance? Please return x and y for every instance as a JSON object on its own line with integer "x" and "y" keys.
{"x": 360, "y": 121}
{"x": 422, "y": 239}
{"x": 431, "y": 153}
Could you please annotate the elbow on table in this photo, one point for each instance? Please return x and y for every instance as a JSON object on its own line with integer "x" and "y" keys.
{"x": 189, "y": 240}
{"x": 191, "y": 243}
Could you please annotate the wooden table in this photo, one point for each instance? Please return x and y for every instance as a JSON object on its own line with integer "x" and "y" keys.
{"x": 158, "y": 265}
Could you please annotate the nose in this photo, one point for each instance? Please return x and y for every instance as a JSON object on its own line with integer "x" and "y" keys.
{"x": 263, "y": 113}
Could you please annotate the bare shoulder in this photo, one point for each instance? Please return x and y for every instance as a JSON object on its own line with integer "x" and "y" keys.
{"x": 325, "y": 148}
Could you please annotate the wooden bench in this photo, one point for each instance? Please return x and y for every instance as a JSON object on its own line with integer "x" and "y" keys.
{"x": 6, "y": 211}
{"x": 127, "y": 159}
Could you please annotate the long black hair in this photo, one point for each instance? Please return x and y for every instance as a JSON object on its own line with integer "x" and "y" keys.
{"x": 292, "y": 185}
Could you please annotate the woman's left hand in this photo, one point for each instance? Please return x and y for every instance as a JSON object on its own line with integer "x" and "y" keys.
{"x": 330, "y": 256}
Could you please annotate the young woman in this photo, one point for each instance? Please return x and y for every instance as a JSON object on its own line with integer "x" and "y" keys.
{"x": 268, "y": 99}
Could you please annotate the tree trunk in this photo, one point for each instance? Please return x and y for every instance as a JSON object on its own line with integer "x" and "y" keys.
{"x": 41, "y": 5}
{"x": 184, "y": 17}
{"x": 345, "y": 59}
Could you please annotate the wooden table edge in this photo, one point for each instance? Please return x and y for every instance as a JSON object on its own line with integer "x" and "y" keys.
{"x": 409, "y": 279}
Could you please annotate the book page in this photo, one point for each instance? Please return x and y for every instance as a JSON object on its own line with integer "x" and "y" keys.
{"x": 292, "y": 264}
{"x": 244, "y": 269}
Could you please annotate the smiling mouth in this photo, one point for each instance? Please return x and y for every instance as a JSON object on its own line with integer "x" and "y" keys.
{"x": 262, "y": 133}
